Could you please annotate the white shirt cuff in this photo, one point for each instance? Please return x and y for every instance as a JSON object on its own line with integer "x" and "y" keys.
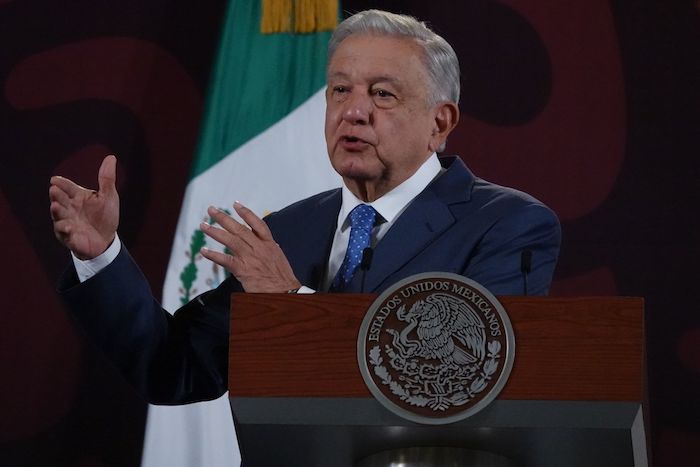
{"x": 305, "y": 289}
{"x": 89, "y": 267}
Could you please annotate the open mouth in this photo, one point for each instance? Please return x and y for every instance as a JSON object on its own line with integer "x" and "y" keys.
{"x": 353, "y": 143}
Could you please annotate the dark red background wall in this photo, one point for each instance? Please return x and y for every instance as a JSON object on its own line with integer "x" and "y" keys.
{"x": 594, "y": 107}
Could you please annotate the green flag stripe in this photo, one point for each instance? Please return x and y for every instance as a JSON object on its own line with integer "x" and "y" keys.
{"x": 258, "y": 79}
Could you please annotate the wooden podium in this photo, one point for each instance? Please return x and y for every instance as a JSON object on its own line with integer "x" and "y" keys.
{"x": 574, "y": 397}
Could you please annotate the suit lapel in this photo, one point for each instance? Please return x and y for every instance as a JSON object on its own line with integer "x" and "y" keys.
{"x": 426, "y": 218}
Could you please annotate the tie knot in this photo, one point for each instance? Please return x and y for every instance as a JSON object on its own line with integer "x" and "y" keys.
{"x": 363, "y": 217}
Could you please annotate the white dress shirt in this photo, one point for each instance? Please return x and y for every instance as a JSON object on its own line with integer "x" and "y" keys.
{"x": 85, "y": 269}
{"x": 389, "y": 207}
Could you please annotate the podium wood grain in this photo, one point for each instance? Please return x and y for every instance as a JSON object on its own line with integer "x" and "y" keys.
{"x": 566, "y": 348}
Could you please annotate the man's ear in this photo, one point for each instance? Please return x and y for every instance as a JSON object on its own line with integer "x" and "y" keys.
{"x": 446, "y": 118}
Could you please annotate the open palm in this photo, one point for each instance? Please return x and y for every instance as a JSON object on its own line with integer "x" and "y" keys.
{"x": 84, "y": 220}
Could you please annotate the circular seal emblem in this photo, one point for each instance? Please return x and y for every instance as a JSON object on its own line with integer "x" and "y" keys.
{"x": 436, "y": 348}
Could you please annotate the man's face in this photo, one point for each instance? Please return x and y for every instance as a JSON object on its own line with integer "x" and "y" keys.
{"x": 379, "y": 128}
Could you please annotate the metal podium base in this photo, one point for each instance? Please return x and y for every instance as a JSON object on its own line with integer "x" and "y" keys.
{"x": 434, "y": 457}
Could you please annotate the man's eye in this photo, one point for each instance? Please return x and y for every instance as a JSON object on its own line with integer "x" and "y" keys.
{"x": 340, "y": 89}
{"x": 382, "y": 93}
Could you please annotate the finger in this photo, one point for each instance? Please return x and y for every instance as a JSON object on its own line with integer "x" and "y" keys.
{"x": 256, "y": 224}
{"x": 58, "y": 211}
{"x": 63, "y": 226}
{"x": 107, "y": 176}
{"x": 226, "y": 238}
{"x": 58, "y": 196}
{"x": 232, "y": 226}
{"x": 222, "y": 259}
{"x": 69, "y": 187}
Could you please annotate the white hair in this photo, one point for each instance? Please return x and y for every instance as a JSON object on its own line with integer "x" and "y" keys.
{"x": 439, "y": 57}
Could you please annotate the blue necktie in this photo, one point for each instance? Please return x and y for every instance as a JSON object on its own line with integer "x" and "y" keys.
{"x": 361, "y": 224}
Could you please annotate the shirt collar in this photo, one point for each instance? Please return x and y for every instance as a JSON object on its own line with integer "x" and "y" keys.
{"x": 392, "y": 203}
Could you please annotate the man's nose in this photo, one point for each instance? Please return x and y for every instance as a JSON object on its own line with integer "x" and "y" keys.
{"x": 358, "y": 110}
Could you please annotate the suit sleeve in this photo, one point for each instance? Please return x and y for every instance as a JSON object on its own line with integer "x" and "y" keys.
{"x": 497, "y": 260}
{"x": 168, "y": 359}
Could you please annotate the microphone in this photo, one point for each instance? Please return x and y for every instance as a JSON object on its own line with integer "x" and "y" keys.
{"x": 365, "y": 265}
{"x": 525, "y": 267}
{"x": 366, "y": 258}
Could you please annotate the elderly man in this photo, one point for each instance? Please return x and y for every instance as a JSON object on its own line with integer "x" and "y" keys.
{"x": 393, "y": 88}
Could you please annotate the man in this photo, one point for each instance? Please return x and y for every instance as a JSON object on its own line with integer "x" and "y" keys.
{"x": 393, "y": 88}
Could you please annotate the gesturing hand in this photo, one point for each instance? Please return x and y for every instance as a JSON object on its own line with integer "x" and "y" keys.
{"x": 85, "y": 220}
{"x": 256, "y": 260}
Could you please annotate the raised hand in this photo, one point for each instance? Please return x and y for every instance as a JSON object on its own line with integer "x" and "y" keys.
{"x": 86, "y": 221}
{"x": 256, "y": 261}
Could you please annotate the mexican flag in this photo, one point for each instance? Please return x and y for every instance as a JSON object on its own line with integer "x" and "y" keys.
{"x": 261, "y": 144}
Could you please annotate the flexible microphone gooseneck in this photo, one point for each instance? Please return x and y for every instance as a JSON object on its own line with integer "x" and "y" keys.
{"x": 525, "y": 267}
{"x": 365, "y": 265}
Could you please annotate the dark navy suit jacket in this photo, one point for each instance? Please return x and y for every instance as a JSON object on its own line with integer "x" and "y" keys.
{"x": 458, "y": 224}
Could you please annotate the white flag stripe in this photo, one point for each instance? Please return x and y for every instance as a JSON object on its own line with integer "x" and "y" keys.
{"x": 285, "y": 163}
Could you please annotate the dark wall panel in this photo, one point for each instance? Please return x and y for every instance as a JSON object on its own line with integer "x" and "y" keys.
{"x": 594, "y": 107}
